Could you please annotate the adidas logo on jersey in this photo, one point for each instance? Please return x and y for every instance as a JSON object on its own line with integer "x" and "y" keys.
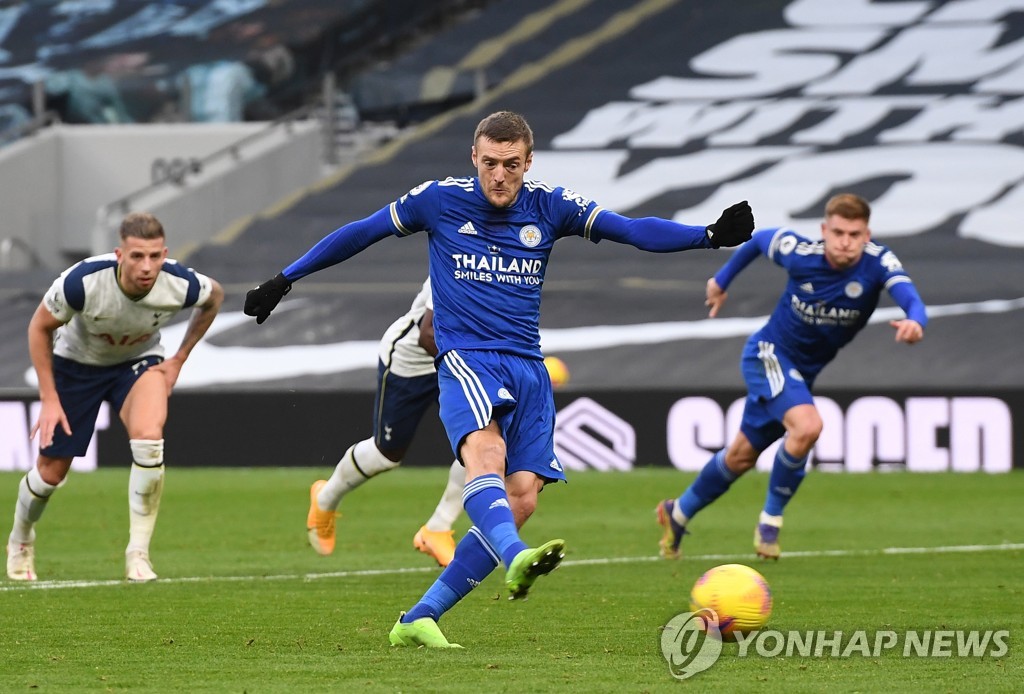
{"x": 807, "y": 287}
{"x": 467, "y": 228}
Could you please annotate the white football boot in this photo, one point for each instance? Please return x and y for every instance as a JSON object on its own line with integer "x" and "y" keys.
{"x": 21, "y": 561}
{"x": 137, "y": 567}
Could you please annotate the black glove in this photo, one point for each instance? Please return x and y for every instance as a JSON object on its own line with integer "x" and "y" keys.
{"x": 265, "y": 297}
{"x": 733, "y": 227}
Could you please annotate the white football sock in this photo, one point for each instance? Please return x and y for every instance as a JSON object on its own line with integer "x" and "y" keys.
{"x": 145, "y": 487}
{"x": 33, "y": 493}
{"x": 678, "y": 516}
{"x": 450, "y": 506}
{"x": 360, "y": 462}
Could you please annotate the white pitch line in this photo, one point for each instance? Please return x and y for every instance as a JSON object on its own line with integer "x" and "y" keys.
{"x": 884, "y": 551}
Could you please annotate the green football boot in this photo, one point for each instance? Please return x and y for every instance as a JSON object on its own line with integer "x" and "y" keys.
{"x": 421, "y": 632}
{"x": 531, "y": 564}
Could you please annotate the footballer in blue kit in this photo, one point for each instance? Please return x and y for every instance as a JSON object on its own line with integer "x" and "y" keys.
{"x": 833, "y": 288}
{"x": 489, "y": 238}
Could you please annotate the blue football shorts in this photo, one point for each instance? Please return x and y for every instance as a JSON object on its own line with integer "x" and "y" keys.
{"x": 399, "y": 406}
{"x": 82, "y": 389}
{"x": 774, "y": 385}
{"x": 478, "y": 386}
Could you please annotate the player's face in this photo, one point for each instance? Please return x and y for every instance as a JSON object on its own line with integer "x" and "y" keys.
{"x": 501, "y": 167}
{"x": 844, "y": 240}
{"x": 140, "y": 261}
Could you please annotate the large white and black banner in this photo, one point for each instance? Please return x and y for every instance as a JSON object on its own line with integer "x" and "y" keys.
{"x": 601, "y": 431}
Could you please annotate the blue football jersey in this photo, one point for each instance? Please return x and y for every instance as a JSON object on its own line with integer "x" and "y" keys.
{"x": 822, "y": 308}
{"x": 487, "y": 264}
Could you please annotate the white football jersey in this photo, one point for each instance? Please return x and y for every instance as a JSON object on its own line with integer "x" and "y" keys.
{"x": 102, "y": 325}
{"x": 400, "y": 346}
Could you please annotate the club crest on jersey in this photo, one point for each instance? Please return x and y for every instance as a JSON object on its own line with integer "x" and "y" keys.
{"x": 504, "y": 394}
{"x": 854, "y": 289}
{"x": 530, "y": 235}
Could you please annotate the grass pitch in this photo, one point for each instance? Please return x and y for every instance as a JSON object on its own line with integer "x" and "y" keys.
{"x": 244, "y": 604}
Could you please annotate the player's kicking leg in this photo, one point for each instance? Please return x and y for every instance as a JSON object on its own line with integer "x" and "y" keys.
{"x": 530, "y": 564}
{"x": 503, "y": 480}
{"x": 436, "y": 538}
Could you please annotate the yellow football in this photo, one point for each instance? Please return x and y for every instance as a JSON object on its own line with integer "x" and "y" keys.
{"x": 739, "y": 596}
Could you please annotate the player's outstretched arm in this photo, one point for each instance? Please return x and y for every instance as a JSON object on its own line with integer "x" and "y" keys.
{"x": 341, "y": 244}
{"x": 665, "y": 236}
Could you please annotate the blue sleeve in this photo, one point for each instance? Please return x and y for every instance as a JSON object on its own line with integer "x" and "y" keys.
{"x": 905, "y": 294}
{"x": 649, "y": 233}
{"x": 74, "y": 280}
{"x": 758, "y": 244}
{"x": 74, "y": 291}
{"x": 343, "y": 243}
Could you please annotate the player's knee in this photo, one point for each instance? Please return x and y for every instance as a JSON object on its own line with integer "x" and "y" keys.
{"x": 741, "y": 455}
{"x": 806, "y": 433}
{"x": 803, "y": 427}
{"x": 147, "y": 452}
{"x": 52, "y": 471}
{"x": 484, "y": 455}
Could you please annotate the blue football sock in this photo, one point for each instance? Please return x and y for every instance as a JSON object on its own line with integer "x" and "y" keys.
{"x": 474, "y": 560}
{"x": 712, "y": 482}
{"x": 787, "y": 474}
{"x": 487, "y": 506}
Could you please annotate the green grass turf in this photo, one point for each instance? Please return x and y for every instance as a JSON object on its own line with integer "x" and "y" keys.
{"x": 258, "y": 613}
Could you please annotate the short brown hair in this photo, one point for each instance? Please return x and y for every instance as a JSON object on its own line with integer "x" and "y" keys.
{"x": 505, "y": 126}
{"x": 141, "y": 225}
{"x": 848, "y": 206}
